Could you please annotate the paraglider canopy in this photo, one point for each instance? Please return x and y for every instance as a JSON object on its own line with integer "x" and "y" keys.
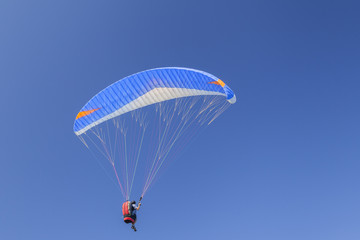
{"x": 150, "y": 117}
{"x": 145, "y": 88}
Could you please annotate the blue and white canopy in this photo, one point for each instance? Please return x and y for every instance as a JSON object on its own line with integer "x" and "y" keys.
{"x": 146, "y": 88}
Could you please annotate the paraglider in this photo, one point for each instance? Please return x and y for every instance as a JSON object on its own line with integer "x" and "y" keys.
{"x": 129, "y": 210}
{"x": 141, "y": 122}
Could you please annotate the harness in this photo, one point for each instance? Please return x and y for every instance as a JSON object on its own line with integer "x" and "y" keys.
{"x": 128, "y": 210}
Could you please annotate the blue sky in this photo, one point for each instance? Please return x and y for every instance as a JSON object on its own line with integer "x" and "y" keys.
{"x": 282, "y": 163}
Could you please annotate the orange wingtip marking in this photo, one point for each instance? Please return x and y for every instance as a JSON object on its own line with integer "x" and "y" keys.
{"x": 218, "y": 82}
{"x": 85, "y": 113}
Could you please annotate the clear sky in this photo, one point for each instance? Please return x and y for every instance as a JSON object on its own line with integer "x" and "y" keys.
{"x": 282, "y": 163}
